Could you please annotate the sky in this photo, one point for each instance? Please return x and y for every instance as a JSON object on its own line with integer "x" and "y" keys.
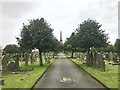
{"x": 63, "y": 15}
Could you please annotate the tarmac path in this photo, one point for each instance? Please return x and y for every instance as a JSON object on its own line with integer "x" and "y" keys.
{"x": 63, "y": 73}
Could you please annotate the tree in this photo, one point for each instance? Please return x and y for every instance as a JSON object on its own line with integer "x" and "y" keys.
{"x": 11, "y": 48}
{"x": 89, "y": 35}
{"x": 117, "y": 45}
{"x": 37, "y": 34}
{"x": 70, "y": 43}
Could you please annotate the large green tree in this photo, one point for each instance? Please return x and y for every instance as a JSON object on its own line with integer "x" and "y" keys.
{"x": 11, "y": 48}
{"x": 37, "y": 34}
{"x": 70, "y": 43}
{"x": 89, "y": 34}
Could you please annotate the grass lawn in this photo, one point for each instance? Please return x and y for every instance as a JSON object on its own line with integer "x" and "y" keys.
{"x": 29, "y": 78}
{"x": 109, "y": 78}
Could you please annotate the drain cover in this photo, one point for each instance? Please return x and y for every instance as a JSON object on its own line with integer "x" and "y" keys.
{"x": 67, "y": 80}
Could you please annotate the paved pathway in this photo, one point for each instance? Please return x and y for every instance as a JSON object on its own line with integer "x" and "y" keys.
{"x": 64, "y": 68}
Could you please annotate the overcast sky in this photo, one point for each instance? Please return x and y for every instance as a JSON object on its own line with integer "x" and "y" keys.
{"x": 63, "y": 15}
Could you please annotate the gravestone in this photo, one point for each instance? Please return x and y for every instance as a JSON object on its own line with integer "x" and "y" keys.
{"x": 98, "y": 61}
{"x": 17, "y": 59}
{"x": 106, "y": 56}
{"x": 102, "y": 63}
{"x": 5, "y": 60}
{"x": 115, "y": 57}
{"x": 95, "y": 58}
{"x": 111, "y": 56}
{"x": 91, "y": 59}
{"x": 12, "y": 66}
{"x": 88, "y": 59}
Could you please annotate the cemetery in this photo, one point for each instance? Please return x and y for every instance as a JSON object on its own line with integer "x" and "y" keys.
{"x": 22, "y": 75}
{"x": 40, "y": 60}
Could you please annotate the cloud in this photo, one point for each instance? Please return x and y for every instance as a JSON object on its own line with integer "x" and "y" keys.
{"x": 16, "y": 9}
{"x": 63, "y": 15}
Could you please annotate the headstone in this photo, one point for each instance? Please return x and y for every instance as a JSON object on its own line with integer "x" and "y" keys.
{"x": 111, "y": 56}
{"x": 95, "y": 59}
{"x": 5, "y": 60}
{"x": 12, "y": 66}
{"x": 17, "y": 60}
{"x": 88, "y": 59}
{"x": 102, "y": 63}
{"x": 115, "y": 57}
{"x": 107, "y": 56}
{"x": 98, "y": 61}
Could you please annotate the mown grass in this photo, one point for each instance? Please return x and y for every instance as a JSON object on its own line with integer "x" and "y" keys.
{"x": 28, "y": 78}
{"x": 109, "y": 78}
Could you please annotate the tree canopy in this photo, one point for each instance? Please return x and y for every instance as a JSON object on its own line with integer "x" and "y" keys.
{"x": 11, "y": 48}
{"x": 89, "y": 34}
{"x": 37, "y": 34}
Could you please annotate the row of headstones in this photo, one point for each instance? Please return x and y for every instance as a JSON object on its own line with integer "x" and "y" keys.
{"x": 93, "y": 59}
{"x": 48, "y": 56}
{"x": 23, "y": 56}
{"x": 96, "y": 60}
{"x": 112, "y": 56}
{"x": 7, "y": 64}
{"x": 11, "y": 61}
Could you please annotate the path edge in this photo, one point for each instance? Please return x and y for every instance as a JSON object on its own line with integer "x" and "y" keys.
{"x": 43, "y": 74}
{"x": 89, "y": 75}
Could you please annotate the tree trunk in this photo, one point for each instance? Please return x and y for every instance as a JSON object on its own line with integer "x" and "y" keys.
{"x": 17, "y": 60}
{"x": 72, "y": 54}
{"x": 40, "y": 57}
{"x": 26, "y": 59}
{"x": 31, "y": 57}
{"x": 53, "y": 54}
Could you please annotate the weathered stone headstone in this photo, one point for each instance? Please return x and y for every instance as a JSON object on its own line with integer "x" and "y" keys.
{"x": 95, "y": 59}
{"x": 5, "y": 60}
{"x": 98, "y": 61}
{"x": 12, "y": 66}
{"x": 115, "y": 58}
{"x": 88, "y": 59}
{"x": 17, "y": 60}
{"x": 102, "y": 63}
{"x": 111, "y": 56}
{"x": 106, "y": 56}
